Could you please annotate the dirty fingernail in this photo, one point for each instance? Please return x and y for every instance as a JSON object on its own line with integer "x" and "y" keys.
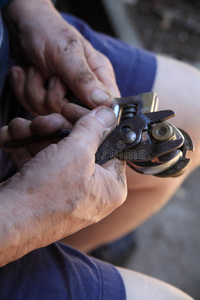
{"x": 99, "y": 97}
{"x": 106, "y": 116}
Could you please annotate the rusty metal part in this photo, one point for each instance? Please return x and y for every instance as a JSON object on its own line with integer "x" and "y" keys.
{"x": 161, "y": 164}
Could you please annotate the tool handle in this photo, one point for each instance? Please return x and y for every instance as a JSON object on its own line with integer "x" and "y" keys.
{"x": 33, "y": 139}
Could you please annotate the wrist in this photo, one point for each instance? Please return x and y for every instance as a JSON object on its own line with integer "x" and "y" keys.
{"x": 20, "y": 11}
{"x": 26, "y": 21}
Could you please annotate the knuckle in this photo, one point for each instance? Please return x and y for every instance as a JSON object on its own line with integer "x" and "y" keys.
{"x": 103, "y": 60}
{"x": 92, "y": 130}
{"x": 85, "y": 76}
{"x": 16, "y": 123}
{"x": 73, "y": 41}
{"x": 84, "y": 147}
{"x": 69, "y": 43}
{"x": 79, "y": 153}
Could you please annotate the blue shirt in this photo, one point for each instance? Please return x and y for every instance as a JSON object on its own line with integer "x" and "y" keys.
{"x": 3, "y": 3}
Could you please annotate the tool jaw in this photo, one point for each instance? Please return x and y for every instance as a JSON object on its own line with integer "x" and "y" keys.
{"x": 148, "y": 143}
{"x": 143, "y": 138}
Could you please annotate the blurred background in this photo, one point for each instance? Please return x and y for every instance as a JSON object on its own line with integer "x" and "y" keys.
{"x": 168, "y": 245}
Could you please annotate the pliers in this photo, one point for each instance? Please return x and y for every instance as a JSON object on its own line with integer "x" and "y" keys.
{"x": 142, "y": 137}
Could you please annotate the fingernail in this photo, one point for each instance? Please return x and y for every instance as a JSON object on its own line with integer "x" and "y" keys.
{"x": 99, "y": 97}
{"x": 106, "y": 116}
{"x": 14, "y": 74}
{"x": 52, "y": 83}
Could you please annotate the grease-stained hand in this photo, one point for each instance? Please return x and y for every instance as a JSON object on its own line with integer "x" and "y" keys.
{"x": 59, "y": 190}
{"x": 58, "y": 50}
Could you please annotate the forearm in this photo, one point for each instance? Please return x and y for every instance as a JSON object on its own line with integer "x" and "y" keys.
{"x": 25, "y": 223}
{"x": 37, "y": 28}
{"x": 23, "y": 13}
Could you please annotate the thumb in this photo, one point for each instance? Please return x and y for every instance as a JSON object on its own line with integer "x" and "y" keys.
{"x": 90, "y": 131}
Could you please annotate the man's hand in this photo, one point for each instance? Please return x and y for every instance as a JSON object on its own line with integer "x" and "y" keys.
{"x": 61, "y": 189}
{"x": 19, "y": 129}
{"x": 56, "y": 48}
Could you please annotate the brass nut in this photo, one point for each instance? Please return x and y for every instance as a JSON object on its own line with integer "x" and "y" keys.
{"x": 162, "y": 132}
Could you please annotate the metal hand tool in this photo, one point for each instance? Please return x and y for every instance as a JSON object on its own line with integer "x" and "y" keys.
{"x": 148, "y": 143}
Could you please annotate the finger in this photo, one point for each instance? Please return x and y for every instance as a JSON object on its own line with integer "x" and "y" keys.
{"x": 4, "y": 135}
{"x": 17, "y": 79}
{"x": 19, "y": 129}
{"x": 73, "y": 68}
{"x": 55, "y": 97}
{"x": 73, "y": 112}
{"x": 35, "y": 91}
{"x": 19, "y": 156}
{"x": 47, "y": 125}
{"x": 103, "y": 69}
{"x": 87, "y": 135}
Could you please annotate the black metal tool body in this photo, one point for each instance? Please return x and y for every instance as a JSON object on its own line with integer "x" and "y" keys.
{"x": 118, "y": 141}
{"x": 149, "y": 144}
{"x": 142, "y": 137}
{"x": 132, "y": 140}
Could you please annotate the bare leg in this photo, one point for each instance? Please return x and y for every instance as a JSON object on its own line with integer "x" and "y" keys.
{"x": 142, "y": 287}
{"x": 178, "y": 88}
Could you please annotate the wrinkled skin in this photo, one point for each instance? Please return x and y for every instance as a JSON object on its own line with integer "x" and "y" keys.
{"x": 57, "y": 49}
{"x": 60, "y": 190}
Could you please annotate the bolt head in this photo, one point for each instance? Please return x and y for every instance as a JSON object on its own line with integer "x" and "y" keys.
{"x": 162, "y": 132}
{"x": 129, "y": 137}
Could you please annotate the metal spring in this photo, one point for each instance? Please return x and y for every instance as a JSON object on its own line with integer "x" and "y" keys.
{"x": 128, "y": 111}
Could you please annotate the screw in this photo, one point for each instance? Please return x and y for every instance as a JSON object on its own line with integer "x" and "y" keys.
{"x": 162, "y": 132}
{"x": 128, "y": 136}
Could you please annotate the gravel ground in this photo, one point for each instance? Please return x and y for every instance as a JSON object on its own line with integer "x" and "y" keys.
{"x": 168, "y": 26}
